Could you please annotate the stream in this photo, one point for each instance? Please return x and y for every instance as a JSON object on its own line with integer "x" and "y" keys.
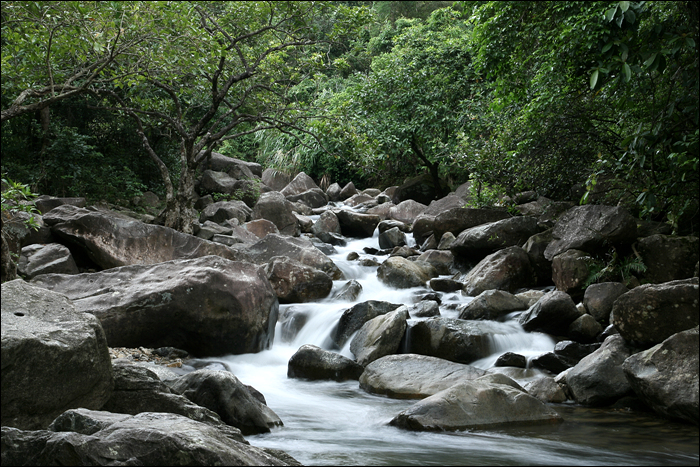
{"x": 330, "y": 423}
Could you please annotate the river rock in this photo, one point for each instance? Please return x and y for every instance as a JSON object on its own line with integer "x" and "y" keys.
{"x": 333, "y": 192}
{"x": 299, "y": 249}
{"x": 572, "y": 352}
{"x": 275, "y": 179}
{"x": 441, "y": 260}
{"x": 299, "y": 184}
{"x": 222, "y": 393}
{"x": 598, "y": 379}
{"x": 453, "y": 220}
{"x": 534, "y": 247}
{"x": 424, "y": 309}
{"x": 665, "y": 376}
{"x": 491, "y": 305}
{"x": 213, "y": 182}
{"x": 234, "y": 167}
{"x": 379, "y": 336}
{"x": 570, "y": 270}
{"x": 511, "y": 359}
{"x": 355, "y": 317}
{"x": 112, "y": 241}
{"x": 349, "y": 292}
{"x": 407, "y": 211}
{"x": 650, "y": 314}
{"x": 392, "y": 238}
{"x": 45, "y": 204}
{"x": 589, "y": 228}
{"x": 143, "y": 439}
{"x": 348, "y": 191}
{"x": 401, "y": 273}
{"x": 553, "y": 313}
{"x": 53, "y": 357}
{"x": 599, "y": 299}
{"x": 475, "y": 404}
{"x": 224, "y": 210}
{"x": 209, "y": 229}
{"x": 295, "y": 282}
{"x": 668, "y": 258}
{"x": 476, "y": 242}
{"x": 207, "y": 306}
{"x": 261, "y": 227}
{"x": 314, "y": 198}
{"x": 275, "y": 208}
{"x": 453, "y": 339}
{"x": 410, "y": 376}
{"x": 138, "y": 389}
{"x": 387, "y": 224}
{"x": 327, "y": 223}
{"x": 585, "y": 329}
{"x": 441, "y": 284}
{"x": 311, "y": 362}
{"x": 546, "y": 390}
{"x": 354, "y": 224}
{"x": 46, "y": 259}
{"x": 508, "y": 269}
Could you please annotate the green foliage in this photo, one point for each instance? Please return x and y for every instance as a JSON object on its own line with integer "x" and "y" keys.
{"x": 616, "y": 269}
{"x": 17, "y": 197}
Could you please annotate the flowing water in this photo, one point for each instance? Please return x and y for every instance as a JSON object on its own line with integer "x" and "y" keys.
{"x": 330, "y": 423}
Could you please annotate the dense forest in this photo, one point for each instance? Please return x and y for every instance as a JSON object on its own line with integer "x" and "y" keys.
{"x": 594, "y": 102}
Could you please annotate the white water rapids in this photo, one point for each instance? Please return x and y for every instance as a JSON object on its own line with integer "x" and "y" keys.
{"x": 330, "y": 423}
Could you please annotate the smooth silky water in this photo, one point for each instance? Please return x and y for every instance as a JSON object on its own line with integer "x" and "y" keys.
{"x": 330, "y": 423}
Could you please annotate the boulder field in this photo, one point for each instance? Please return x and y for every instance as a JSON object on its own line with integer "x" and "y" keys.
{"x": 98, "y": 277}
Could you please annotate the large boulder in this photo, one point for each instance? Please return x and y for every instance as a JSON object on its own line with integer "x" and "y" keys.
{"x": 314, "y": 198}
{"x": 453, "y": 339}
{"x": 348, "y": 191}
{"x": 508, "y": 269}
{"x": 452, "y": 219}
{"x": 475, "y": 404}
{"x": 207, "y": 306}
{"x": 295, "y": 282}
{"x": 599, "y": 299}
{"x": 333, "y": 192}
{"x": 598, "y": 379}
{"x": 298, "y": 185}
{"x": 553, "y": 314}
{"x": 379, "y": 336}
{"x": 570, "y": 270}
{"x": 224, "y": 210}
{"x": 137, "y": 389}
{"x": 275, "y": 179}
{"x": 476, "y": 242}
{"x": 391, "y": 238}
{"x": 223, "y": 393}
{"x": 492, "y": 305}
{"x": 407, "y": 211}
{"x": 589, "y": 228}
{"x": 53, "y": 357}
{"x": 665, "y": 376}
{"x": 298, "y": 249}
{"x": 275, "y": 208}
{"x": 401, "y": 273}
{"x": 535, "y": 247}
{"x": 410, "y": 376}
{"x": 144, "y": 439}
{"x": 314, "y": 363}
{"x": 668, "y": 258}
{"x": 421, "y": 188}
{"x": 355, "y": 317}
{"x": 46, "y": 259}
{"x": 112, "y": 241}
{"x": 213, "y": 182}
{"x": 355, "y": 224}
{"x": 650, "y": 314}
{"x": 234, "y": 167}
{"x": 326, "y": 224}
{"x": 45, "y": 204}
{"x": 441, "y": 260}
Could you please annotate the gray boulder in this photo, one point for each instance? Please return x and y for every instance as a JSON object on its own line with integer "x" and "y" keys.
{"x": 546, "y": 390}
{"x": 476, "y": 242}
{"x": 222, "y": 393}
{"x": 355, "y": 317}
{"x": 453, "y": 339}
{"x": 665, "y": 376}
{"x": 424, "y": 309}
{"x": 314, "y": 363}
{"x": 298, "y": 249}
{"x": 598, "y": 379}
{"x": 392, "y": 238}
{"x": 207, "y": 306}
{"x": 599, "y": 299}
{"x": 295, "y": 282}
{"x": 209, "y": 229}
{"x": 410, "y": 376}
{"x": 534, "y": 247}
{"x": 668, "y": 258}
{"x": 327, "y": 223}
{"x": 508, "y": 269}
{"x": 275, "y": 208}
{"x": 401, "y": 273}
{"x": 585, "y": 329}
{"x": 348, "y": 191}
{"x": 261, "y": 227}
{"x": 407, "y": 211}
{"x": 45, "y": 204}
{"x": 53, "y": 357}
{"x": 138, "y": 389}
{"x": 590, "y": 227}
{"x": 475, "y": 404}
{"x": 491, "y": 305}
{"x": 298, "y": 185}
{"x": 379, "y": 336}
{"x": 355, "y": 224}
{"x": 456, "y": 220}
{"x": 314, "y": 198}
{"x": 553, "y": 313}
{"x": 349, "y": 292}
{"x": 275, "y": 179}
{"x": 216, "y": 182}
{"x": 650, "y": 314}
{"x": 224, "y": 210}
{"x": 111, "y": 241}
{"x": 441, "y": 284}
{"x": 143, "y": 439}
{"x": 333, "y": 192}
{"x": 46, "y": 259}
{"x": 441, "y": 260}
{"x": 234, "y": 167}
{"x": 570, "y": 270}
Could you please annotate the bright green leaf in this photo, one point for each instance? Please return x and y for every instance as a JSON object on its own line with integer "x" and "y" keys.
{"x": 628, "y": 72}
{"x": 594, "y": 79}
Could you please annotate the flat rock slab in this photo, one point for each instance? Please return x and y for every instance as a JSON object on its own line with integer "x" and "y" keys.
{"x": 475, "y": 404}
{"x": 207, "y": 306}
{"x": 412, "y": 376}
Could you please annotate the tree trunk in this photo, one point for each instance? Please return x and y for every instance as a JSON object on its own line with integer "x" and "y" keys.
{"x": 8, "y": 268}
{"x": 433, "y": 167}
{"x": 179, "y": 211}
